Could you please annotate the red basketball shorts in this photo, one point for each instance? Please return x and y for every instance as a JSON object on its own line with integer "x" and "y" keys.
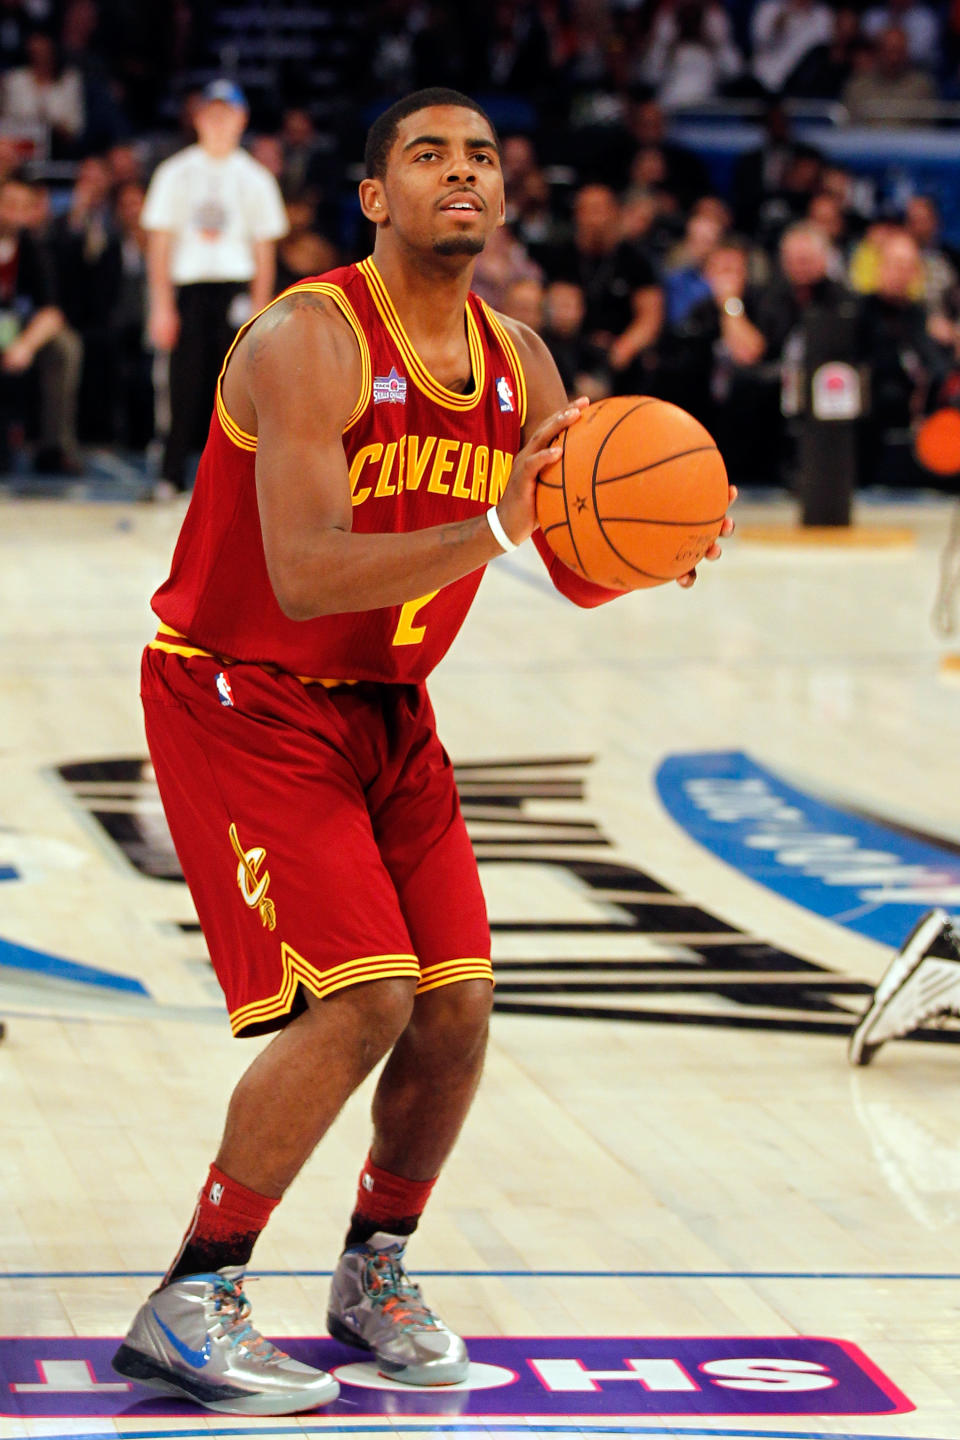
{"x": 319, "y": 831}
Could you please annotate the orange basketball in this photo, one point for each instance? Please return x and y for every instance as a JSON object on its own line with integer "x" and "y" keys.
{"x": 937, "y": 443}
{"x": 638, "y": 495}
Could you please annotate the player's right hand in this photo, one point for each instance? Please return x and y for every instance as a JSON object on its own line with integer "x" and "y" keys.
{"x": 517, "y": 507}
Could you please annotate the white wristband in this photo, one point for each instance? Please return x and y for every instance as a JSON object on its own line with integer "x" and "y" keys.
{"x": 499, "y": 534}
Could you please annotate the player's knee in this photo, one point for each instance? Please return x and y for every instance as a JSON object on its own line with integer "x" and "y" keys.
{"x": 456, "y": 1017}
{"x": 371, "y": 1015}
{"x": 381, "y": 1012}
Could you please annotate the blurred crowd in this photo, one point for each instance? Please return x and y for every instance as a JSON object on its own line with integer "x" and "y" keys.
{"x": 618, "y": 250}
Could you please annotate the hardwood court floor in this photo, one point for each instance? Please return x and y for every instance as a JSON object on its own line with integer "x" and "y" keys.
{"x": 692, "y": 1159}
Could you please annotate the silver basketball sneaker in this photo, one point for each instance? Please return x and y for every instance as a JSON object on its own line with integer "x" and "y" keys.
{"x": 921, "y": 984}
{"x": 375, "y": 1304}
{"x": 193, "y": 1337}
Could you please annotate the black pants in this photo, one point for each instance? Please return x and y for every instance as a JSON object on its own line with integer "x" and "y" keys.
{"x": 205, "y": 336}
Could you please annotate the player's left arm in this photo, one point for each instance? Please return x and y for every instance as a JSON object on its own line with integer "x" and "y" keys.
{"x": 545, "y": 393}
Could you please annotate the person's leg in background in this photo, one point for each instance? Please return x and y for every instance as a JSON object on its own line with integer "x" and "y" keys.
{"x": 59, "y": 368}
{"x": 190, "y": 404}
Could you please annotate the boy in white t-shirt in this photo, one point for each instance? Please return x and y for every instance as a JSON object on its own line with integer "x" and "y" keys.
{"x": 213, "y": 216}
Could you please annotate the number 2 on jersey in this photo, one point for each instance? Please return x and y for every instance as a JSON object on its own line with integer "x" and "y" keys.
{"x": 406, "y": 632}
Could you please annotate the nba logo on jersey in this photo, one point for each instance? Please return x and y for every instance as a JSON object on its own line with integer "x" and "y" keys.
{"x": 391, "y": 388}
{"x": 505, "y": 394}
{"x": 224, "y": 690}
{"x": 216, "y": 1193}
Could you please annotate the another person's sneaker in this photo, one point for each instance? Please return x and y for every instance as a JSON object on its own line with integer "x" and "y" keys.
{"x": 922, "y": 983}
{"x": 193, "y": 1338}
{"x": 374, "y": 1304}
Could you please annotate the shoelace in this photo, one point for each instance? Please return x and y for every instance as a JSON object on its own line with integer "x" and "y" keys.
{"x": 389, "y": 1286}
{"x": 234, "y": 1308}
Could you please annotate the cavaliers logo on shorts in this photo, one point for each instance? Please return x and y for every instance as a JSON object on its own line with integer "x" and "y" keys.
{"x": 254, "y": 885}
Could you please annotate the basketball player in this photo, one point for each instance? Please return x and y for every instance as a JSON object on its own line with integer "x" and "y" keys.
{"x": 353, "y": 487}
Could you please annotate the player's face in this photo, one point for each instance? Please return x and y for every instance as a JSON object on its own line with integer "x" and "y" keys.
{"x": 443, "y": 189}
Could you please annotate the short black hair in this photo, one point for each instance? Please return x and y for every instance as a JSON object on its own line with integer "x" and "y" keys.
{"x": 383, "y": 131}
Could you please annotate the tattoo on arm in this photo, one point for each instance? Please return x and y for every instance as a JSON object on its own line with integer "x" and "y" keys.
{"x": 278, "y": 315}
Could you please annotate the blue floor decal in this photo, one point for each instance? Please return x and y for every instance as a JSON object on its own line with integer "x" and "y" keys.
{"x": 857, "y": 872}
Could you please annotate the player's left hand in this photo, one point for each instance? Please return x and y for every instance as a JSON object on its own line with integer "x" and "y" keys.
{"x": 715, "y": 551}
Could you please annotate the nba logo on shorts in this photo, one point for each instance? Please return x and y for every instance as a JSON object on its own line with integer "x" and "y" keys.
{"x": 504, "y": 394}
{"x": 223, "y": 689}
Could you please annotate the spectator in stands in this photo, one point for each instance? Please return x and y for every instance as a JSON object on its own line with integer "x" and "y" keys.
{"x": 523, "y": 301}
{"x": 783, "y": 33}
{"x": 856, "y": 193}
{"x": 214, "y": 216}
{"x": 518, "y": 161}
{"x": 803, "y": 280}
{"x": 789, "y": 204}
{"x": 683, "y": 265}
{"x": 104, "y": 120}
{"x": 685, "y": 348}
{"x": 42, "y": 92}
{"x": 918, "y": 21}
{"x": 516, "y": 49}
{"x": 684, "y": 172}
{"x": 891, "y": 90}
{"x": 864, "y": 267}
{"x": 503, "y": 262}
{"x": 40, "y": 216}
{"x": 624, "y": 302}
{"x": 310, "y": 167}
{"x": 939, "y": 264}
{"x": 691, "y": 55}
{"x": 303, "y": 251}
{"x": 825, "y": 71}
{"x": 31, "y": 324}
{"x": 582, "y": 365}
{"x": 651, "y": 219}
{"x": 268, "y": 152}
{"x": 761, "y": 173}
{"x": 15, "y": 25}
{"x": 134, "y": 421}
{"x": 580, "y": 50}
{"x": 803, "y": 284}
{"x": 907, "y": 366}
{"x": 738, "y": 383}
{"x": 124, "y": 165}
{"x": 11, "y": 159}
{"x": 87, "y": 253}
{"x": 827, "y": 213}
{"x": 536, "y": 225}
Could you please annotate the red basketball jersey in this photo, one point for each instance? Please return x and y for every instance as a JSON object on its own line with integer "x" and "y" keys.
{"x": 418, "y": 455}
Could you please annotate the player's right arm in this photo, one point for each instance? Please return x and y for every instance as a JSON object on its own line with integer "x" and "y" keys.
{"x": 295, "y": 381}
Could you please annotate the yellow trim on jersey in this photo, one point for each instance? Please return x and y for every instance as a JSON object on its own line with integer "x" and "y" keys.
{"x": 449, "y": 972}
{"x": 242, "y": 438}
{"x": 421, "y": 376}
{"x": 505, "y": 340}
{"x": 298, "y": 971}
{"x": 171, "y": 649}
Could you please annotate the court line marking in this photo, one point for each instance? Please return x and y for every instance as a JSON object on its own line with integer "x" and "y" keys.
{"x": 951, "y": 1276}
{"x": 479, "y": 1428}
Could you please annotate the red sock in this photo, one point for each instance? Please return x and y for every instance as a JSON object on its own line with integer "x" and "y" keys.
{"x": 224, "y": 1228}
{"x": 386, "y": 1202}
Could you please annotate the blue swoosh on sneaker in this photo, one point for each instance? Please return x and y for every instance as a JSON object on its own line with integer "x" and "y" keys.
{"x": 196, "y": 1358}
